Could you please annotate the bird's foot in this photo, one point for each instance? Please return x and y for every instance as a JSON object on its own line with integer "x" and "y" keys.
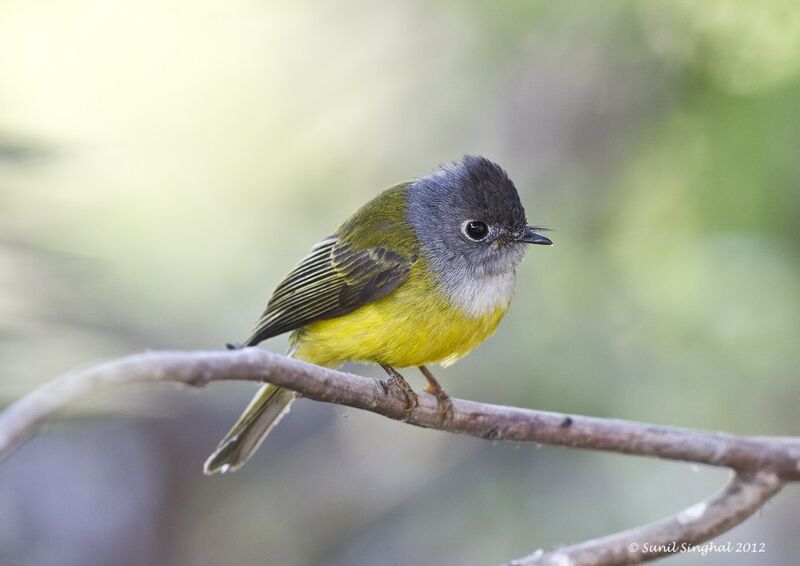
{"x": 444, "y": 403}
{"x": 397, "y": 384}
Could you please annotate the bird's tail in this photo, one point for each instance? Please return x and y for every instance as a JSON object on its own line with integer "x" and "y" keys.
{"x": 259, "y": 418}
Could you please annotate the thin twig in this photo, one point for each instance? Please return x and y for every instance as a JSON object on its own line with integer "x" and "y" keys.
{"x": 762, "y": 464}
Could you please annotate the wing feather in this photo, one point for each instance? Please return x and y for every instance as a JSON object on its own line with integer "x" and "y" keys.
{"x": 333, "y": 280}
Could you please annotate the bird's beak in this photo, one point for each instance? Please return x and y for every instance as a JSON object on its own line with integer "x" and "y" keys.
{"x": 530, "y": 237}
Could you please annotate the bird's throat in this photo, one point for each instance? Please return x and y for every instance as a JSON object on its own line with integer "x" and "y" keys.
{"x": 480, "y": 295}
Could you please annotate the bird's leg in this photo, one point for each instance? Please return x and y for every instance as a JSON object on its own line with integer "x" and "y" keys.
{"x": 445, "y": 405}
{"x": 398, "y": 383}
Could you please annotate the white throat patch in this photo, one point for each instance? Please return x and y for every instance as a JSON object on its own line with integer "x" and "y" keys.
{"x": 479, "y": 296}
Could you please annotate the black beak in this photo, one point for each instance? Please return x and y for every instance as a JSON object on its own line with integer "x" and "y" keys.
{"x": 530, "y": 237}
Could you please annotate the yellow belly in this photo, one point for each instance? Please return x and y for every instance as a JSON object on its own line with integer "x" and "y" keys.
{"x": 413, "y": 326}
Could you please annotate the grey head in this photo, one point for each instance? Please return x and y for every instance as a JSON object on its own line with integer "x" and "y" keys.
{"x": 470, "y": 221}
{"x": 468, "y": 217}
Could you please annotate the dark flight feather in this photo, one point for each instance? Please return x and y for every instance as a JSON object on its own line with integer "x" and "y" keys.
{"x": 333, "y": 280}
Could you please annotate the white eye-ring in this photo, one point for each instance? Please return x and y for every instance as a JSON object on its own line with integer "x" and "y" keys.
{"x": 475, "y": 230}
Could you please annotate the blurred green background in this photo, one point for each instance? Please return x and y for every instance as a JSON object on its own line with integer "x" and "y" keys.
{"x": 163, "y": 164}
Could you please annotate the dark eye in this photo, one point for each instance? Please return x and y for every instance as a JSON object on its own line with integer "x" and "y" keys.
{"x": 476, "y": 230}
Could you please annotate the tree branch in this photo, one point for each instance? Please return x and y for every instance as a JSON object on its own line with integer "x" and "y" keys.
{"x": 763, "y": 464}
{"x": 743, "y": 496}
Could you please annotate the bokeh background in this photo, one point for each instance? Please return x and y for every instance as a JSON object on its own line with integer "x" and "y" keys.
{"x": 163, "y": 164}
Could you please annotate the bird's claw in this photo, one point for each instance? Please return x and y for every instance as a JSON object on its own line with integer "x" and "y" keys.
{"x": 399, "y": 386}
{"x": 443, "y": 402}
{"x": 404, "y": 390}
{"x": 445, "y": 405}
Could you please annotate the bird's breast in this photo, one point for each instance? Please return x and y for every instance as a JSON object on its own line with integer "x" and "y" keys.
{"x": 417, "y": 324}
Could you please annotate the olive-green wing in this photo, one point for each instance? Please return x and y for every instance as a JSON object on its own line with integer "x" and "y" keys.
{"x": 333, "y": 280}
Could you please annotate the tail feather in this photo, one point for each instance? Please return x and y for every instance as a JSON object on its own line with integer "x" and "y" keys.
{"x": 266, "y": 409}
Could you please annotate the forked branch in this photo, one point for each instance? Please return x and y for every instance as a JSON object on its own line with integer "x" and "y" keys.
{"x": 762, "y": 465}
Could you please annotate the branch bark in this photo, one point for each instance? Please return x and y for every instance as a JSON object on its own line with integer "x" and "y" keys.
{"x": 762, "y": 464}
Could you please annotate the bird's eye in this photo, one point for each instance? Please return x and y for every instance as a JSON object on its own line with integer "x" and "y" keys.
{"x": 475, "y": 230}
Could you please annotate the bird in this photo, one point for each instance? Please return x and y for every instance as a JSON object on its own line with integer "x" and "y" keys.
{"x": 420, "y": 275}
